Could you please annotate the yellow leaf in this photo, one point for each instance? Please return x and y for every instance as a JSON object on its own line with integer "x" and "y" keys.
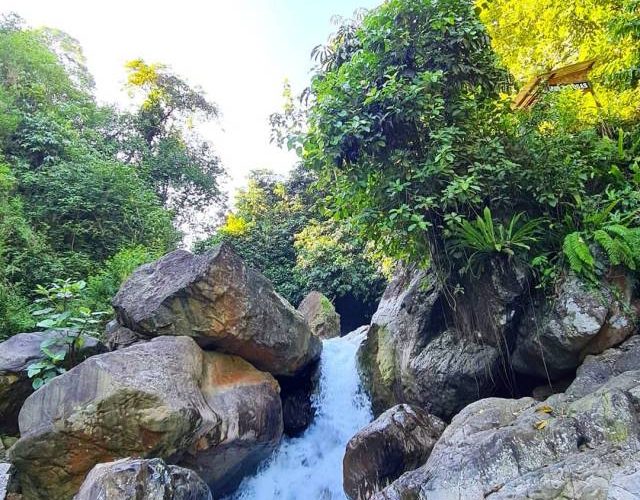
{"x": 541, "y": 424}
{"x": 544, "y": 409}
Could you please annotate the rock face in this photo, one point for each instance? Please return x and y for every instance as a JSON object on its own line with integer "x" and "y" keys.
{"x": 16, "y": 354}
{"x": 165, "y": 398}
{"x": 142, "y": 480}
{"x": 223, "y": 304}
{"x": 554, "y": 337}
{"x": 7, "y": 481}
{"x": 296, "y": 392}
{"x": 398, "y": 441}
{"x": 430, "y": 349}
{"x": 321, "y": 316}
{"x": 584, "y": 443}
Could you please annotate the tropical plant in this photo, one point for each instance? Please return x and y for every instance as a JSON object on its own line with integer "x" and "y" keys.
{"x": 58, "y": 312}
{"x": 484, "y": 238}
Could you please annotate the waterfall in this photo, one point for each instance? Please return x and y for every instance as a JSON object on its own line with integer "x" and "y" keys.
{"x": 310, "y": 466}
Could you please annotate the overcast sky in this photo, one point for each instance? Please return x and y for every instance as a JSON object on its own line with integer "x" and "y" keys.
{"x": 238, "y": 51}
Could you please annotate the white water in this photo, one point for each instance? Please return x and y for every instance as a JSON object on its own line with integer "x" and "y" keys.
{"x": 310, "y": 467}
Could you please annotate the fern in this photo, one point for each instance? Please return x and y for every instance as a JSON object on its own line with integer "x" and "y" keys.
{"x": 621, "y": 245}
{"x": 484, "y": 238}
{"x": 578, "y": 254}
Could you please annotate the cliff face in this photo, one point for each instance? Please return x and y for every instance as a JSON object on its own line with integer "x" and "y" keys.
{"x": 451, "y": 354}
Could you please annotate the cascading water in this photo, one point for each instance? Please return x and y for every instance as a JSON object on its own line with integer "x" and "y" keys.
{"x": 310, "y": 467}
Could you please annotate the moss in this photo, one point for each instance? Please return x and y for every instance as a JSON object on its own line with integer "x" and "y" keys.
{"x": 326, "y": 305}
{"x": 385, "y": 357}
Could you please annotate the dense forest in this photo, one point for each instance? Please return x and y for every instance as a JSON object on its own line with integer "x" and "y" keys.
{"x": 410, "y": 150}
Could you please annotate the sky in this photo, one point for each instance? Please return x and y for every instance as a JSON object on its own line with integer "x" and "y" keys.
{"x": 238, "y": 51}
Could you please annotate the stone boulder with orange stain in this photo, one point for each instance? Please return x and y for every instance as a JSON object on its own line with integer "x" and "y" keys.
{"x": 165, "y": 398}
{"x": 220, "y": 302}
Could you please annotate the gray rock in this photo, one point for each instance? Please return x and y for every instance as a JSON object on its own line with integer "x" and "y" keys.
{"x": 428, "y": 348}
{"x": 321, "y": 316}
{"x": 218, "y": 300}
{"x": 118, "y": 336}
{"x": 398, "y": 441}
{"x": 141, "y": 479}
{"x": 16, "y": 354}
{"x": 165, "y": 398}
{"x": 7, "y": 480}
{"x": 581, "y": 444}
{"x": 554, "y": 337}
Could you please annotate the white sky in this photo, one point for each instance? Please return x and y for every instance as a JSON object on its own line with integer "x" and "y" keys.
{"x": 238, "y": 51}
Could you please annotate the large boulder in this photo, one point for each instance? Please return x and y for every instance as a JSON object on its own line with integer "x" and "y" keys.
{"x": 223, "y": 304}
{"x": 321, "y": 316}
{"x": 555, "y": 335}
{"x": 142, "y": 479}
{"x": 16, "y": 354}
{"x": 584, "y": 443}
{"x": 165, "y": 398}
{"x": 398, "y": 441}
{"x": 429, "y": 348}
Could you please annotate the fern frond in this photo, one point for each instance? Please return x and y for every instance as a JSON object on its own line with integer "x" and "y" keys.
{"x": 578, "y": 254}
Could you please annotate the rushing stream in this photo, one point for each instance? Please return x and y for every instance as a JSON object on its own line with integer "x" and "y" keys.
{"x": 310, "y": 466}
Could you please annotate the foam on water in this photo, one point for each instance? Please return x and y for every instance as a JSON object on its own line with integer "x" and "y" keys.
{"x": 310, "y": 467}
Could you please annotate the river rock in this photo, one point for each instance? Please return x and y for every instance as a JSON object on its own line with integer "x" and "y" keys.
{"x": 554, "y": 336}
{"x": 223, "y": 304}
{"x": 425, "y": 348}
{"x": 141, "y": 479}
{"x": 584, "y": 443}
{"x": 165, "y": 398}
{"x": 398, "y": 441}
{"x": 321, "y": 316}
{"x": 16, "y": 354}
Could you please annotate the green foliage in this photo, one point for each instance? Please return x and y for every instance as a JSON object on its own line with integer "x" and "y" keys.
{"x": 87, "y": 190}
{"x": 397, "y": 127}
{"x": 103, "y": 286}
{"x": 57, "y": 310}
{"x": 483, "y": 238}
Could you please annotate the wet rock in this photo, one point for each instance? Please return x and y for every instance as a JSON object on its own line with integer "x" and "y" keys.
{"x": 398, "y": 441}
{"x": 165, "y": 398}
{"x": 554, "y": 336}
{"x": 584, "y": 443}
{"x": 223, "y": 304}
{"x": 141, "y": 479}
{"x": 16, "y": 354}
{"x": 296, "y": 393}
{"x": 321, "y": 316}
{"x": 430, "y": 349}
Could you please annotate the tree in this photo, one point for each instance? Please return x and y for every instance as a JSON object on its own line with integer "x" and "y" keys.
{"x": 181, "y": 166}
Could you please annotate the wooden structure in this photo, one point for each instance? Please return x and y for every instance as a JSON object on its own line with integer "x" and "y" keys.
{"x": 574, "y": 75}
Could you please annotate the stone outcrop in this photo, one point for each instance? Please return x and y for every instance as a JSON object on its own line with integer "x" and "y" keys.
{"x": 398, "y": 441}
{"x": 223, "y": 304}
{"x": 321, "y": 316}
{"x": 438, "y": 351}
{"x": 16, "y": 354}
{"x": 165, "y": 398}
{"x": 141, "y": 479}
{"x": 555, "y": 335}
{"x": 584, "y": 443}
